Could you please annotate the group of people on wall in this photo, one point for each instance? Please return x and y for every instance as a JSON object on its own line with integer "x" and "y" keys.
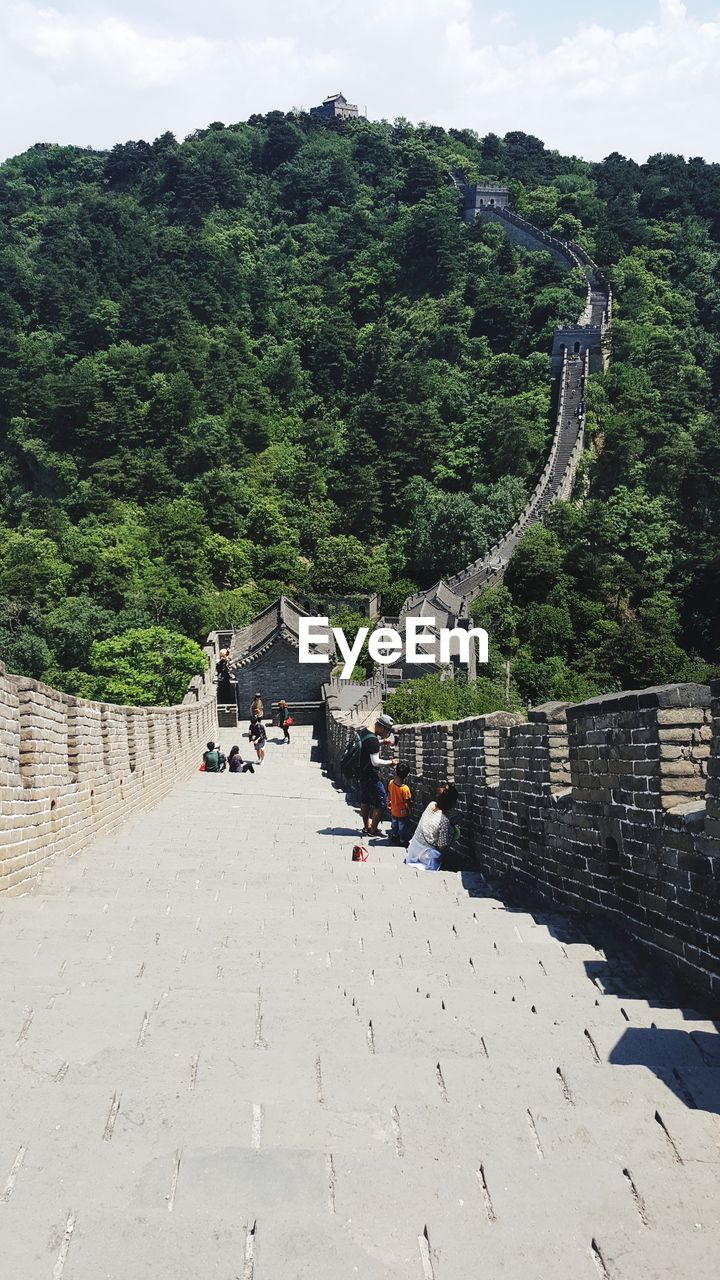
{"x": 435, "y": 834}
{"x": 215, "y": 761}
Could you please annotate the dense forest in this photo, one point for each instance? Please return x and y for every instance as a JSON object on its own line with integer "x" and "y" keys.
{"x": 273, "y": 357}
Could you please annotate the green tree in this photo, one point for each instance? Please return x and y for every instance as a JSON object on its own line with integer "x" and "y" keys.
{"x": 149, "y": 667}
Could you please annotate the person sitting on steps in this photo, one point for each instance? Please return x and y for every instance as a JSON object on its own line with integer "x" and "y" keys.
{"x": 236, "y": 764}
{"x": 214, "y": 759}
{"x": 435, "y": 832}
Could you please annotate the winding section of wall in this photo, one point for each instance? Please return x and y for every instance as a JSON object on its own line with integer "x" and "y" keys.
{"x": 71, "y": 769}
{"x": 611, "y": 806}
{"x": 578, "y": 349}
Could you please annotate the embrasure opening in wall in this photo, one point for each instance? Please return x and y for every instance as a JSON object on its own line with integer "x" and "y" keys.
{"x": 612, "y": 855}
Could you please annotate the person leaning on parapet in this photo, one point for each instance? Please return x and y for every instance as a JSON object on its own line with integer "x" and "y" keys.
{"x": 213, "y": 759}
{"x": 435, "y": 832}
{"x": 373, "y": 796}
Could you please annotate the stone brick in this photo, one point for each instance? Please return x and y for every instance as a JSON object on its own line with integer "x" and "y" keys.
{"x": 559, "y": 830}
{"x": 70, "y": 768}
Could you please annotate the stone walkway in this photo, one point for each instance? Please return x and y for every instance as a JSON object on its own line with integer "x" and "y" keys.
{"x": 228, "y": 1051}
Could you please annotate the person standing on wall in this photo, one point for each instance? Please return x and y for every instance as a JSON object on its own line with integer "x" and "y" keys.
{"x": 258, "y": 737}
{"x": 399, "y": 797}
{"x": 223, "y": 678}
{"x": 256, "y": 708}
{"x": 373, "y": 796}
{"x": 284, "y": 718}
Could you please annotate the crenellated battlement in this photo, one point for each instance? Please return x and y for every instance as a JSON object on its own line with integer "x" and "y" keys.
{"x": 609, "y": 806}
{"x": 71, "y": 769}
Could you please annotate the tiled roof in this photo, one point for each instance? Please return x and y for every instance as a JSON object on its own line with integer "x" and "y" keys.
{"x": 440, "y": 602}
{"x": 279, "y": 621}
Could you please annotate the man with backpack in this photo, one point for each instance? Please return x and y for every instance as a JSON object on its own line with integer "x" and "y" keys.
{"x": 362, "y": 760}
{"x": 214, "y": 759}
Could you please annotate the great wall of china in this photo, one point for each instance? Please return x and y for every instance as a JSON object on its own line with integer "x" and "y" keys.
{"x": 578, "y": 349}
{"x": 612, "y": 806}
{"x": 71, "y": 769}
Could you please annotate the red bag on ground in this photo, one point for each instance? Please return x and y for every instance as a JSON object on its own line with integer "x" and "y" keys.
{"x": 202, "y": 768}
{"x": 359, "y": 853}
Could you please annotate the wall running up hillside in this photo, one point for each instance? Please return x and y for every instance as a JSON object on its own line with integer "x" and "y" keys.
{"x": 578, "y": 349}
{"x": 71, "y": 769}
{"x": 611, "y": 806}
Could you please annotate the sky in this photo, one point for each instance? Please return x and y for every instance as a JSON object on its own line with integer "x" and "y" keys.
{"x": 637, "y": 77}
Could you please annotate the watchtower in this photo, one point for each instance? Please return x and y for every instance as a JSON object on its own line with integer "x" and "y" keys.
{"x": 479, "y": 197}
{"x": 335, "y": 107}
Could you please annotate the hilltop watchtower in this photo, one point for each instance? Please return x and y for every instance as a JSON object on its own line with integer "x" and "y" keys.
{"x": 478, "y": 198}
{"x": 336, "y": 107}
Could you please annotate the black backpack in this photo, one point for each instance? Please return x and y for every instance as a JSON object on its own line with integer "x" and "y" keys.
{"x": 350, "y": 759}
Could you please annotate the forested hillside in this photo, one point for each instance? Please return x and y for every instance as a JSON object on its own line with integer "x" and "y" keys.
{"x": 273, "y": 357}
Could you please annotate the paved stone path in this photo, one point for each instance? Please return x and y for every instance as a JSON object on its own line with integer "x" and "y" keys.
{"x": 228, "y": 1051}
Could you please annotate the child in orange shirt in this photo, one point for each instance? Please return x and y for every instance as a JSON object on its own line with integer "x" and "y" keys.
{"x": 399, "y": 797}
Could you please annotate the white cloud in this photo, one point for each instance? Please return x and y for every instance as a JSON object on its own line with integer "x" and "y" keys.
{"x": 96, "y": 75}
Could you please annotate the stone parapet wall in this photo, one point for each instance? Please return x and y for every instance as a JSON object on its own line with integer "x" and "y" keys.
{"x": 591, "y": 333}
{"x": 611, "y": 806}
{"x": 489, "y": 569}
{"x": 341, "y": 721}
{"x": 712, "y": 819}
{"x": 71, "y": 769}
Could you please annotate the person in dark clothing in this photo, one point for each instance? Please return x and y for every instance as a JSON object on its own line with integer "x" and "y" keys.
{"x": 258, "y": 737}
{"x": 214, "y": 759}
{"x": 236, "y": 764}
{"x": 373, "y": 796}
{"x": 284, "y": 718}
{"x": 223, "y": 679}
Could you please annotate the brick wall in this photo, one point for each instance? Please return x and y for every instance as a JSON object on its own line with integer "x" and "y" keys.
{"x": 611, "y": 806}
{"x": 71, "y": 769}
{"x": 278, "y": 673}
{"x": 341, "y": 721}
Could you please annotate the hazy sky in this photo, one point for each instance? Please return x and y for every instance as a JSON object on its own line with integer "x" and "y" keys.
{"x": 636, "y": 77}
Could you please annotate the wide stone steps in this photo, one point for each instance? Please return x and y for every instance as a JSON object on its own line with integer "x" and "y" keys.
{"x": 230, "y": 1051}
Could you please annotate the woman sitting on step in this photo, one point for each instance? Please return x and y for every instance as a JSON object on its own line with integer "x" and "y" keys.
{"x": 236, "y": 764}
{"x": 435, "y": 832}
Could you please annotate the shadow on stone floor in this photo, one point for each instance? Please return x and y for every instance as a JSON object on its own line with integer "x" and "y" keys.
{"x": 688, "y": 1063}
{"x": 340, "y": 831}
